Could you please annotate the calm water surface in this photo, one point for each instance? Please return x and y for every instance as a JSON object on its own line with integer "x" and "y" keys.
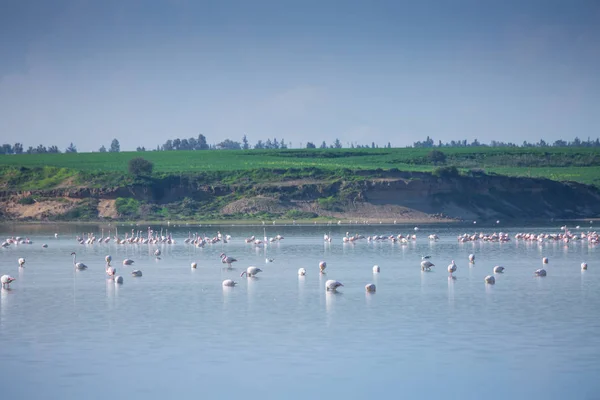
{"x": 176, "y": 333}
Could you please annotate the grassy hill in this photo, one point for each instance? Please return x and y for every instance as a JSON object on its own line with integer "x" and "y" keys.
{"x": 304, "y": 183}
{"x": 562, "y": 164}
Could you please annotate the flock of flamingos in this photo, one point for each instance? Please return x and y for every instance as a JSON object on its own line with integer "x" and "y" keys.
{"x": 155, "y": 237}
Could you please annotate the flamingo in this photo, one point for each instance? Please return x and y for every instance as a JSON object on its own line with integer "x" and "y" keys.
{"x": 118, "y": 279}
{"x": 583, "y": 265}
{"x": 370, "y": 288}
{"x": 301, "y": 272}
{"x": 108, "y": 259}
{"x": 21, "y": 261}
{"x": 128, "y": 261}
{"x": 376, "y": 269}
{"x": 45, "y": 246}
{"x": 332, "y": 285}
{"x": 251, "y": 272}
{"x": 322, "y": 266}
{"x": 225, "y": 259}
{"x": 472, "y": 258}
{"x": 78, "y": 266}
{"x": 540, "y": 272}
{"x": 498, "y": 269}
{"x": 426, "y": 265}
{"x": 111, "y": 272}
{"x": 490, "y": 280}
{"x": 157, "y": 253}
{"x": 229, "y": 283}
{"x": 545, "y": 260}
{"x": 136, "y": 272}
{"x": 194, "y": 265}
{"x": 6, "y": 280}
{"x": 452, "y": 267}
{"x": 269, "y": 260}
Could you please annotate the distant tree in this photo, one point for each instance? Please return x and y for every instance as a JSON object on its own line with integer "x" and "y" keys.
{"x": 337, "y": 144}
{"x": 202, "y": 143}
{"x": 436, "y": 157}
{"x": 168, "y": 145}
{"x": 259, "y": 145}
{"x": 310, "y": 145}
{"x": 30, "y": 150}
{"x": 268, "y": 144}
{"x": 6, "y": 149}
{"x": 193, "y": 143}
{"x": 275, "y": 143}
{"x": 373, "y": 144}
{"x": 389, "y": 146}
{"x": 140, "y": 148}
{"x": 177, "y": 144}
{"x": 140, "y": 167}
{"x": 323, "y": 145}
{"x": 229, "y": 145}
{"x": 560, "y": 143}
{"x": 18, "y": 148}
{"x": 53, "y": 149}
{"x": 115, "y": 147}
{"x": 282, "y": 144}
{"x": 102, "y": 149}
{"x": 245, "y": 145}
{"x": 71, "y": 148}
{"x": 184, "y": 145}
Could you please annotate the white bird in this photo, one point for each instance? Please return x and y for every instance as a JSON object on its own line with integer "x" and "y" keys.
{"x": 225, "y": 259}
{"x": 111, "y": 271}
{"x": 269, "y": 260}
{"x": 128, "y": 261}
{"x": 583, "y": 265}
{"x": 322, "y": 266}
{"x": 194, "y": 265}
{"x": 540, "y": 272}
{"x": 21, "y": 261}
{"x": 6, "y": 280}
{"x": 78, "y": 265}
{"x": 498, "y": 269}
{"x": 108, "y": 259}
{"x": 376, "y": 269}
{"x": 490, "y": 279}
{"x": 301, "y": 271}
{"x": 251, "y": 271}
{"x": 426, "y": 265}
{"x": 425, "y": 257}
{"x": 370, "y": 288}
{"x": 332, "y": 285}
{"x": 545, "y": 260}
{"x": 118, "y": 279}
{"x": 136, "y": 272}
{"x": 452, "y": 267}
{"x": 157, "y": 253}
{"x": 56, "y": 235}
{"x": 229, "y": 283}
{"x": 472, "y": 258}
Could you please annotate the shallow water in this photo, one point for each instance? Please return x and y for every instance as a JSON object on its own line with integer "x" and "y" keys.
{"x": 177, "y": 332}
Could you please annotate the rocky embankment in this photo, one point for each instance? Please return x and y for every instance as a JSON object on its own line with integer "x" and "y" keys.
{"x": 399, "y": 196}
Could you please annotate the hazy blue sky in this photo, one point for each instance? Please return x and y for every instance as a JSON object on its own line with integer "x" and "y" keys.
{"x": 361, "y": 71}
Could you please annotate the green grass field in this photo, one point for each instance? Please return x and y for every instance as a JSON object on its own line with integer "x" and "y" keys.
{"x": 575, "y": 164}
